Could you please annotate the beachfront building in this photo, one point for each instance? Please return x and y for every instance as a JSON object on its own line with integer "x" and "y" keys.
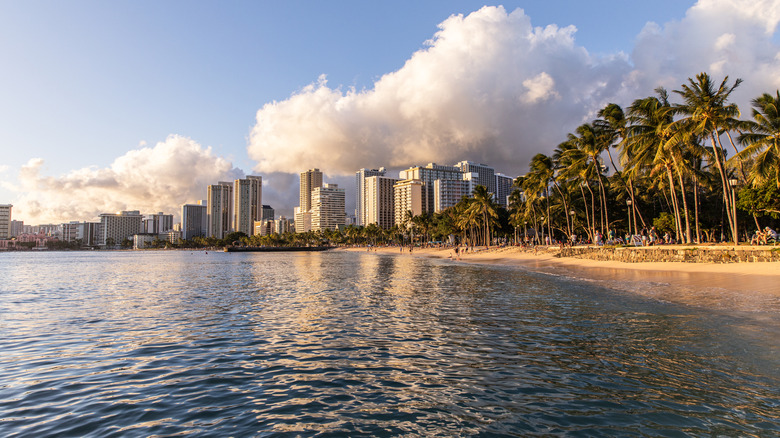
{"x": 379, "y": 201}
{"x": 448, "y": 192}
{"x": 220, "y": 209}
{"x": 411, "y": 197}
{"x": 328, "y": 212}
{"x": 116, "y": 227}
{"x": 157, "y": 223}
{"x": 504, "y": 187}
{"x": 360, "y": 196}
{"x": 88, "y": 233}
{"x": 428, "y": 175}
{"x": 194, "y": 220}
{"x": 5, "y": 221}
{"x": 248, "y": 205}
{"x": 309, "y": 181}
{"x": 486, "y": 175}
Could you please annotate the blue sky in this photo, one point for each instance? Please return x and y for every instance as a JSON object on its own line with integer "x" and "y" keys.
{"x": 85, "y": 82}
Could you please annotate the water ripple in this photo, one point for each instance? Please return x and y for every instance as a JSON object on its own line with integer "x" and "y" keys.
{"x": 335, "y": 344}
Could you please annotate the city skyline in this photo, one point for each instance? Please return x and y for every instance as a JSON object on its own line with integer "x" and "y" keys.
{"x": 109, "y": 149}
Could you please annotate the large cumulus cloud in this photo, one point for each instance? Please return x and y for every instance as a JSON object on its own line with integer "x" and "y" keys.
{"x": 494, "y": 88}
{"x": 149, "y": 179}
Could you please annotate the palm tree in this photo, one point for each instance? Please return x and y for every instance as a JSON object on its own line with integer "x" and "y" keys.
{"x": 483, "y": 202}
{"x": 707, "y": 113}
{"x": 762, "y": 139}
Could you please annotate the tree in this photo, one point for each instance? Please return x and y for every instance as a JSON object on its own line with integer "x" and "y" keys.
{"x": 706, "y": 113}
{"x": 762, "y": 139}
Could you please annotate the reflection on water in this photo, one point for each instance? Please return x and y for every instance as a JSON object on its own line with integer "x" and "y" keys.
{"x": 166, "y": 343}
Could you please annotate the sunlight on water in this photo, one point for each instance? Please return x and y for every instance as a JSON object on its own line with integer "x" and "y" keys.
{"x": 166, "y": 343}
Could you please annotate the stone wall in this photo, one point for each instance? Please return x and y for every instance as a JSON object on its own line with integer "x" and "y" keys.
{"x": 676, "y": 254}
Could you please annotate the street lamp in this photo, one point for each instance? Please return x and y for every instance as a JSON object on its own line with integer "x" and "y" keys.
{"x": 628, "y": 203}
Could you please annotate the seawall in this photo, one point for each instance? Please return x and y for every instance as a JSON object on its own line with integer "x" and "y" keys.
{"x": 690, "y": 254}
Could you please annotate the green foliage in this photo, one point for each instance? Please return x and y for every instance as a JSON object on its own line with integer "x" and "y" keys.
{"x": 664, "y": 223}
{"x": 761, "y": 200}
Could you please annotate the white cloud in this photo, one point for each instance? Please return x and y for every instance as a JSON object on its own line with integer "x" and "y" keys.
{"x": 161, "y": 178}
{"x": 492, "y": 87}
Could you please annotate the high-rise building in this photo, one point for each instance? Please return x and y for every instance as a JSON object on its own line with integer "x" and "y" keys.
{"x": 487, "y": 175}
{"x": 504, "y": 186}
{"x": 327, "y": 212}
{"x": 302, "y": 220}
{"x": 5, "y": 221}
{"x": 447, "y": 193}
{"x": 410, "y": 198}
{"x": 248, "y": 203}
{"x": 220, "y": 209}
{"x": 428, "y": 175}
{"x": 268, "y": 213}
{"x": 88, "y": 233}
{"x": 194, "y": 220}
{"x": 116, "y": 227}
{"x": 17, "y": 228}
{"x": 157, "y": 223}
{"x": 379, "y": 198}
{"x": 360, "y": 185}
{"x": 310, "y": 180}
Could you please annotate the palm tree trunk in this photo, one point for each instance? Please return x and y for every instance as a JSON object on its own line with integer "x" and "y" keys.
{"x": 696, "y": 207}
{"x": 716, "y": 148}
{"x": 678, "y": 223}
{"x": 685, "y": 203}
{"x": 587, "y": 214}
{"x": 593, "y": 209}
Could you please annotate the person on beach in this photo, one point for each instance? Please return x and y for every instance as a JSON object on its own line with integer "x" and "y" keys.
{"x": 653, "y": 236}
{"x": 770, "y": 234}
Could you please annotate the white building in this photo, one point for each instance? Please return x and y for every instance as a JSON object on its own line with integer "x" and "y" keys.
{"x": 428, "y": 175}
{"x": 447, "y": 193}
{"x": 328, "y": 208}
{"x": 157, "y": 223}
{"x": 5, "y": 221}
{"x": 116, "y": 227}
{"x": 194, "y": 220}
{"x": 360, "y": 185}
{"x": 248, "y": 203}
{"x": 486, "y": 174}
{"x": 410, "y": 196}
{"x": 379, "y": 206}
{"x": 220, "y": 209}
{"x": 309, "y": 180}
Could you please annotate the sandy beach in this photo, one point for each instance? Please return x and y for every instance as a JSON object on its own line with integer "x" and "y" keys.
{"x": 751, "y": 287}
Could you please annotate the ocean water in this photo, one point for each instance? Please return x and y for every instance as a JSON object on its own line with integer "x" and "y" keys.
{"x": 356, "y": 344}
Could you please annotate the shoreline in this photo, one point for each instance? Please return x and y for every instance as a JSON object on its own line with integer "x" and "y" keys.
{"x": 748, "y": 287}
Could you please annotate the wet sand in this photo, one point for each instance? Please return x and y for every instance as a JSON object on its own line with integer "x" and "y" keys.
{"x": 751, "y": 287}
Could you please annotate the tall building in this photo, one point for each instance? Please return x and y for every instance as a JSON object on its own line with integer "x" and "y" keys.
{"x": 379, "y": 203}
{"x": 360, "y": 185}
{"x": 411, "y": 195}
{"x": 248, "y": 203}
{"x": 194, "y": 220}
{"x": 5, "y": 221}
{"x": 17, "y": 228}
{"x": 86, "y": 232}
{"x": 487, "y": 175}
{"x": 157, "y": 223}
{"x": 220, "y": 209}
{"x": 447, "y": 193}
{"x": 310, "y": 180}
{"x": 116, "y": 227}
{"x": 428, "y": 175}
{"x": 504, "y": 186}
{"x": 328, "y": 212}
{"x": 268, "y": 213}
{"x": 302, "y": 220}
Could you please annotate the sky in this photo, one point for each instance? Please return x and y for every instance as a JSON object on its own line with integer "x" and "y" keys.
{"x": 139, "y": 105}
